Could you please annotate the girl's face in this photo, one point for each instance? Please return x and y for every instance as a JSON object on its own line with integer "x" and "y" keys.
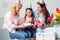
{"x": 39, "y": 8}
{"x": 28, "y": 12}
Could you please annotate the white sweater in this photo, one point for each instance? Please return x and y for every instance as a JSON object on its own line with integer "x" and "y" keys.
{"x": 10, "y": 21}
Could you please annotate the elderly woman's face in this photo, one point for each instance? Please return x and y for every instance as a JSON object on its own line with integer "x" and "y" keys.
{"x": 18, "y": 8}
{"x": 13, "y": 10}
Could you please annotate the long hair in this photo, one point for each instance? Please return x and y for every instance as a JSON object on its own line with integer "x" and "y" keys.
{"x": 31, "y": 14}
{"x": 45, "y": 11}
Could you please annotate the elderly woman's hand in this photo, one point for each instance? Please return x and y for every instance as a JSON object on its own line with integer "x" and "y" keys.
{"x": 19, "y": 26}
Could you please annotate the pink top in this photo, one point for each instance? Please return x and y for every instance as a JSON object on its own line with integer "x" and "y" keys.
{"x": 28, "y": 19}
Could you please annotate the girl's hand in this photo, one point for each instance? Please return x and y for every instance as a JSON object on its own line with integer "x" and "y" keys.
{"x": 34, "y": 26}
{"x": 35, "y": 23}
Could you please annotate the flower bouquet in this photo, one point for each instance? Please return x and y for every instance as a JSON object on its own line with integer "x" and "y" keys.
{"x": 57, "y": 14}
{"x": 55, "y": 18}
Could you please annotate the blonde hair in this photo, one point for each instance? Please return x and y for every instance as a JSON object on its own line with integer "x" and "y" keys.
{"x": 15, "y": 5}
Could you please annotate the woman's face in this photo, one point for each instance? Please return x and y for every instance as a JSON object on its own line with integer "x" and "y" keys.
{"x": 15, "y": 9}
{"x": 18, "y": 7}
{"x": 28, "y": 12}
{"x": 39, "y": 8}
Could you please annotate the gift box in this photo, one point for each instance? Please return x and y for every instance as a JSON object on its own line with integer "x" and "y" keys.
{"x": 49, "y": 36}
{"x": 58, "y": 32}
{"x": 27, "y": 24}
{"x": 45, "y": 36}
{"x": 39, "y": 24}
{"x": 39, "y": 36}
{"x": 50, "y": 29}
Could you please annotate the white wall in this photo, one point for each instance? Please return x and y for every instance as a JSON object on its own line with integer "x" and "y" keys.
{"x": 5, "y": 5}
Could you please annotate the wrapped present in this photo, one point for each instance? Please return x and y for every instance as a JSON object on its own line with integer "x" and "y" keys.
{"x": 49, "y": 36}
{"x": 50, "y": 29}
{"x": 39, "y": 36}
{"x": 27, "y": 24}
{"x": 45, "y": 36}
{"x": 58, "y": 32}
{"x": 38, "y": 23}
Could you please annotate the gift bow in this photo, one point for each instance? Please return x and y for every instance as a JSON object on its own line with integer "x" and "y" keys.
{"x": 38, "y": 23}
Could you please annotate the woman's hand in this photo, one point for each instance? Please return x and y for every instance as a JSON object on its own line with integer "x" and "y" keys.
{"x": 19, "y": 26}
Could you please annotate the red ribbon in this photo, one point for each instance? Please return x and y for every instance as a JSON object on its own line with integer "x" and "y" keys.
{"x": 38, "y": 23}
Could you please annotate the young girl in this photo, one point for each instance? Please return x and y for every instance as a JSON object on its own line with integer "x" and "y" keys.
{"x": 43, "y": 15}
{"x": 12, "y": 22}
{"x": 29, "y": 19}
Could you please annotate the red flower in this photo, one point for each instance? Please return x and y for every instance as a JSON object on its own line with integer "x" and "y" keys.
{"x": 50, "y": 18}
{"x": 58, "y": 10}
